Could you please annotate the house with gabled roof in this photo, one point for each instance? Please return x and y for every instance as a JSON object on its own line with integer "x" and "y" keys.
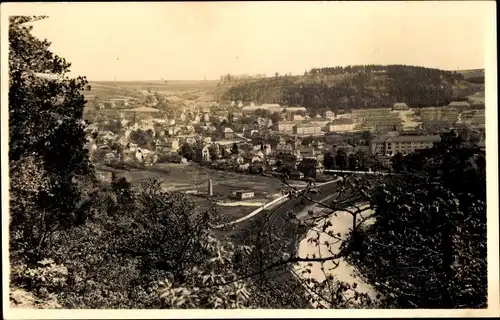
{"x": 400, "y": 106}
{"x": 461, "y": 105}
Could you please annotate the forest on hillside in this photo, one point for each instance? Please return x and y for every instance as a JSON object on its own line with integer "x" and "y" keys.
{"x": 354, "y": 87}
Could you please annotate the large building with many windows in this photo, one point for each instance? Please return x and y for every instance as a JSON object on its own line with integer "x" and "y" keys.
{"x": 307, "y": 128}
{"x": 404, "y": 144}
{"x": 436, "y": 126}
{"x": 383, "y": 123}
{"x": 461, "y": 105}
{"x": 285, "y": 126}
{"x": 439, "y": 113}
{"x": 340, "y": 125}
{"x": 360, "y": 115}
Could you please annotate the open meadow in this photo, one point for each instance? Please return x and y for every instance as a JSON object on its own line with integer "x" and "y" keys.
{"x": 161, "y": 86}
{"x": 199, "y": 90}
{"x": 193, "y": 179}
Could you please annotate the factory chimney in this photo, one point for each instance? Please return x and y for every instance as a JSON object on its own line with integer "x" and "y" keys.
{"x": 210, "y": 188}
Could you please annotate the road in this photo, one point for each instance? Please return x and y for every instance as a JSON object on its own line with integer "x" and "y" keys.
{"x": 278, "y": 218}
{"x": 279, "y": 233}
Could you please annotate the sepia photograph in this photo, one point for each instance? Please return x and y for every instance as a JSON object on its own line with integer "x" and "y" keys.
{"x": 309, "y": 158}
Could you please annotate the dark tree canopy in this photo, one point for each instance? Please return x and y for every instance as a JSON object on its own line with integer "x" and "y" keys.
{"x": 46, "y": 132}
{"x": 355, "y": 87}
{"x": 427, "y": 246}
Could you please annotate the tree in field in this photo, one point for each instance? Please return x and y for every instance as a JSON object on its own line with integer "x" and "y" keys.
{"x": 215, "y": 151}
{"x": 114, "y": 126}
{"x": 329, "y": 160}
{"x": 275, "y": 117}
{"x": 186, "y": 150}
{"x": 362, "y": 160}
{"x": 47, "y": 162}
{"x": 307, "y": 140}
{"x": 367, "y": 135}
{"x": 397, "y": 162}
{"x": 230, "y": 118}
{"x": 341, "y": 159}
{"x": 143, "y": 138}
{"x": 234, "y": 149}
{"x": 262, "y": 113}
{"x": 353, "y": 162}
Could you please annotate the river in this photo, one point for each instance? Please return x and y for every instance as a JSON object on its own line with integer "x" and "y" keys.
{"x": 341, "y": 223}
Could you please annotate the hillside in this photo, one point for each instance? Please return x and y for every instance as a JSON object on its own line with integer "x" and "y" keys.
{"x": 355, "y": 87}
{"x": 473, "y": 75}
{"x": 190, "y": 89}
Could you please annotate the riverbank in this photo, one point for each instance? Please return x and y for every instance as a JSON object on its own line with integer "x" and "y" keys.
{"x": 340, "y": 224}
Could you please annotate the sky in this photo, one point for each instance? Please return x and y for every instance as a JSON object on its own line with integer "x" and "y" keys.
{"x": 190, "y": 41}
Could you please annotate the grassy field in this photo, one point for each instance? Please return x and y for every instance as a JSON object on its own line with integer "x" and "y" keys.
{"x": 478, "y": 97}
{"x": 193, "y": 179}
{"x": 472, "y": 73}
{"x": 186, "y": 90}
{"x": 170, "y": 85}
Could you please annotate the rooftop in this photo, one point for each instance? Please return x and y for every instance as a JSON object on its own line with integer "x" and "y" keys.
{"x": 341, "y": 121}
{"x": 407, "y": 138}
{"x": 439, "y": 121}
{"x": 306, "y": 149}
{"x": 142, "y": 109}
{"x": 400, "y": 105}
{"x": 290, "y": 122}
{"x": 459, "y": 104}
{"x": 295, "y": 109}
{"x": 263, "y": 106}
{"x": 307, "y": 125}
{"x": 438, "y": 109}
{"x": 174, "y": 98}
{"x": 371, "y": 111}
{"x": 383, "y": 120}
{"x": 320, "y": 119}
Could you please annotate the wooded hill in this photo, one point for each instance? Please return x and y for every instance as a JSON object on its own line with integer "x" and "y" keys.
{"x": 355, "y": 87}
{"x": 473, "y": 75}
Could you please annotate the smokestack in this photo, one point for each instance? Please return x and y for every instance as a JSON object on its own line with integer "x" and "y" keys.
{"x": 210, "y": 188}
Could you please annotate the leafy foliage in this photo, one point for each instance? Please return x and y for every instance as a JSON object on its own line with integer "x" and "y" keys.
{"x": 341, "y": 159}
{"x": 200, "y": 289}
{"x": 46, "y": 278}
{"x": 114, "y": 126}
{"x": 143, "y": 138}
{"x": 427, "y": 246}
{"x": 186, "y": 150}
{"x": 46, "y": 155}
{"x": 141, "y": 245}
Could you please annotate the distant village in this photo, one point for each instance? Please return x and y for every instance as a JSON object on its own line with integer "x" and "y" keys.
{"x": 259, "y": 138}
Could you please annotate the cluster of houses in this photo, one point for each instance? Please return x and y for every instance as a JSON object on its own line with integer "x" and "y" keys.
{"x": 198, "y": 124}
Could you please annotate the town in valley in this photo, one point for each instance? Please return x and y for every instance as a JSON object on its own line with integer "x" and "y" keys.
{"x": 355, "y": 181}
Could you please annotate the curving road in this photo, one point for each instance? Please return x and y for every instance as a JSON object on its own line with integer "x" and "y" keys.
{"x": 281, "y": 234}
{"x": 278, "y": 222}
